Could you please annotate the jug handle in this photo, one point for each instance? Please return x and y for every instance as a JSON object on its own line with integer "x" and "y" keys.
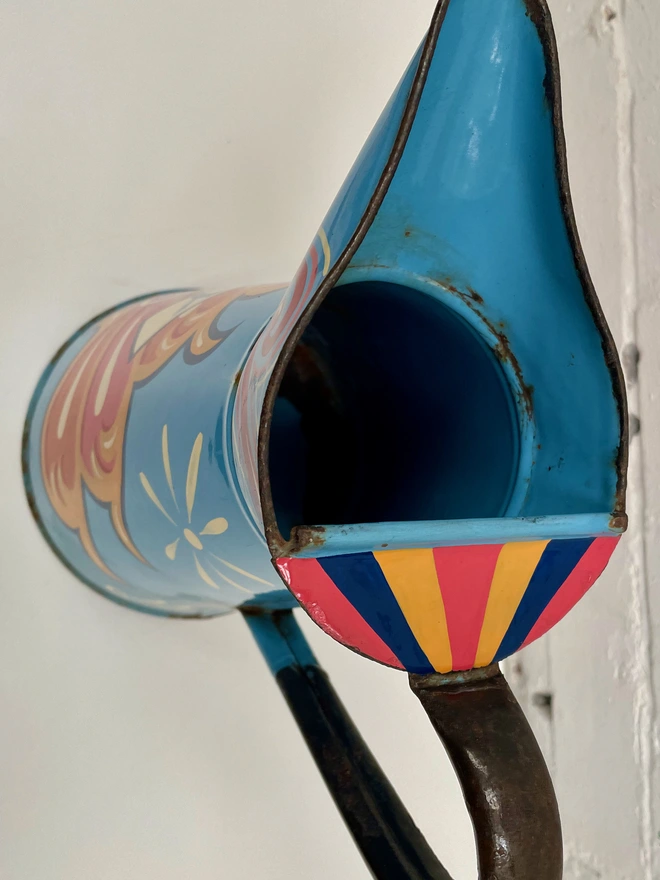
{"x": 502, "y": 772}
{"x": 500, "y": 767}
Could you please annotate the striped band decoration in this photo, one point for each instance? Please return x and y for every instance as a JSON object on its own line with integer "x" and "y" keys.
{"x": 448, "y": 608}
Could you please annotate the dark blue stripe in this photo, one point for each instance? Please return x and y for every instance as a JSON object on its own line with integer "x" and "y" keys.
{"x": 558, "y": 560}
{"x": 361, "y": 580}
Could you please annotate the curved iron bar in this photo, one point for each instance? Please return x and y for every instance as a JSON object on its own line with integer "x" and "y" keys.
{"x": 504, "y": 778}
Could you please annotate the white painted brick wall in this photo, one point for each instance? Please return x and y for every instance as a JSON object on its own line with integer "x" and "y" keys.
{"x": 600, "y": 665}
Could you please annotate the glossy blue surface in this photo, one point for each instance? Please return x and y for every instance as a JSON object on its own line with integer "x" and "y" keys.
{"x": 469, "y": 372}
{"x": 194, "y": 398}
{"x": 475, "y": 206}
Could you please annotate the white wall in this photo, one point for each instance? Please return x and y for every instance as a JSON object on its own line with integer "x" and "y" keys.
{"x": 601, "y": 664}
{"x": 153, "y": 144}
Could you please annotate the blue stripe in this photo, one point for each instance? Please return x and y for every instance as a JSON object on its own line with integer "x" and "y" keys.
{"x": 557, "y": 562}
{"x": 361, "y": 580}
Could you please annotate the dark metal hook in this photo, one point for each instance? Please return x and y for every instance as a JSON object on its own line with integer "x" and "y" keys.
{"x": 504, "y": 778}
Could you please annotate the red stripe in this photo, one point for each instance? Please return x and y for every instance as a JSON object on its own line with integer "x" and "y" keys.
{"x": 585, "y": 573}
{"x": 465, "y": 575}
{"x": 331, "y": 610}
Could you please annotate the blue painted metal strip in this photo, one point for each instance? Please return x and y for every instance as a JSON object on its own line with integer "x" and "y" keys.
{"x": 280, "y": 640}
{"x": 361, "y": 580}
{"x": 288, "y": 627}
{"x": 363, "y": 537}
{"x": 557, "y": 562}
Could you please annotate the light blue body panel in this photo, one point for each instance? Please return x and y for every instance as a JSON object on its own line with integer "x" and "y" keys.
{"x": 192, "y": 399}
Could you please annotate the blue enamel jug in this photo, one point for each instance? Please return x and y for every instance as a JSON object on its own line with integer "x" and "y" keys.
{"x": 422, "y": 440}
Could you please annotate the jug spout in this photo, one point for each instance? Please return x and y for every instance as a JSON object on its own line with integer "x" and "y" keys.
{"x": 437, "y": 407}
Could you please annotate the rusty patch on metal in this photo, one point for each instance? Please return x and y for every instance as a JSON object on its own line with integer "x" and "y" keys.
{"x": 307, "y": 536}
{"x": 505, "y": 355}
{"x": 502, "y": 348}
{"x": 466, "y": 679}
{"x": 476, "y": 297}
{"x": 300, "y": 539}
{"x": 618, "y": 522}
{"x": 447, "y": 284}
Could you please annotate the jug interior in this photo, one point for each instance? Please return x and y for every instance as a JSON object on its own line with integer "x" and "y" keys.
{"x": 392, "y": 408}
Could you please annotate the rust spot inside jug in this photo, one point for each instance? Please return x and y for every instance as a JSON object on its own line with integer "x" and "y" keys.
{"x": 502, "y": 348}
{"x": 476, "y": 297}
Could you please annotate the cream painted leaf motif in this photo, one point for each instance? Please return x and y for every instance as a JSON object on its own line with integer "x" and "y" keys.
{"x": 215, "y": 526}
{"x": 209, "y": 567}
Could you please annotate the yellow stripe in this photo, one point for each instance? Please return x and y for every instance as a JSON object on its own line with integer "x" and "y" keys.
{"x": 326, "y": 251}
{"x": 412, "y": 577}
{"x": 514, "y": 569}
